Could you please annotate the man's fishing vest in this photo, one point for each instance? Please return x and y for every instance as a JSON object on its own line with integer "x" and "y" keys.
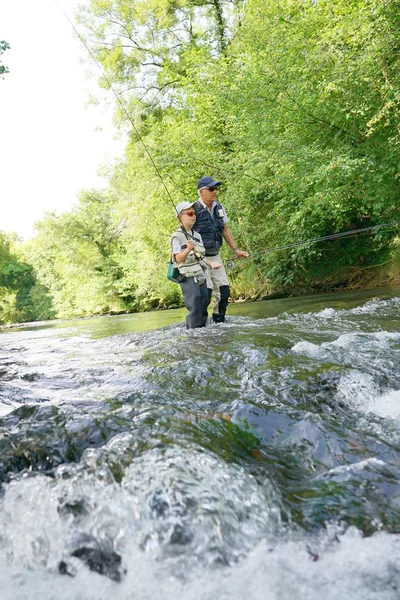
{"x": 210, "y": 227}
{"x": 191, "y": 266}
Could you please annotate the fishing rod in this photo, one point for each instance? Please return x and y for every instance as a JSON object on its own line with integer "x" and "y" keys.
{"x": 120, "y": 102}
{"x": 230, "y": 263}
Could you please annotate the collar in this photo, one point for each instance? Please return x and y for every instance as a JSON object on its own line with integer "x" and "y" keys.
{"x": 210, "y": 210}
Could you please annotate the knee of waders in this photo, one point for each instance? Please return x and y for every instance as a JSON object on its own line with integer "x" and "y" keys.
{"x": 219, "y": 317}
{"x": 225, "y": 292}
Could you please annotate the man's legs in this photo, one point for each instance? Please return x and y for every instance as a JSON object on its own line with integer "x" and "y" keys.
{"x": 221, "y": 298}
{"x": 220, "y": 289}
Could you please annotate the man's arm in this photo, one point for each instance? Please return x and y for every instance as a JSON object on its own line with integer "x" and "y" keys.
{"x": 228, "y": 237}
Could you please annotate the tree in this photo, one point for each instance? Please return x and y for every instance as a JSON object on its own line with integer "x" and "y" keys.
{"x": 147, "y": 48}
{"x": 22, "y": 298}
{"x": 76, "y": 256}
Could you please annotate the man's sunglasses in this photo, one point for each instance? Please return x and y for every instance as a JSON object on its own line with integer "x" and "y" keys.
{"x": 190, "y": 213}
{"x": 211, "y": 189}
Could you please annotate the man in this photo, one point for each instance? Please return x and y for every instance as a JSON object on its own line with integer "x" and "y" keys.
{"x": 211, "y": 223}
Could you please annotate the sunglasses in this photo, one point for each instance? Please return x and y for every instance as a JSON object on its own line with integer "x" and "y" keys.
{"x": 211, "y": 189}
{"x": 190, "y": 213}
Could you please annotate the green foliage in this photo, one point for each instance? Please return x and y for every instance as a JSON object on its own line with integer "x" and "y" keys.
{"x": 301, "y": 119}
{"x": 21, "y": 297}
{"x": 310, "y": 103}
{"x": 75, "y": 257}
{"x": 39, "y": 305}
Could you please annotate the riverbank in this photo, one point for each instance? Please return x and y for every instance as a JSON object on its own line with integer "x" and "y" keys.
{"x": 367, "y": 278}
{"x": 377, "y": 277}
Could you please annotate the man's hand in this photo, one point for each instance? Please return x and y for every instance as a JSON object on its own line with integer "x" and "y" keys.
{"x": 241, "y": 253}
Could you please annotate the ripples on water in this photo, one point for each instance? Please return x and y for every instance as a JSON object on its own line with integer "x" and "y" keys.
{"x": 258, "y": 459}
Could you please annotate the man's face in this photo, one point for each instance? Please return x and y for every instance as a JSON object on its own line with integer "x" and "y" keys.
{"x": 208, "y": 194}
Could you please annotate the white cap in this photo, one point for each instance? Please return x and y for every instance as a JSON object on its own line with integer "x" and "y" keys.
{"x": 184, "y": 206}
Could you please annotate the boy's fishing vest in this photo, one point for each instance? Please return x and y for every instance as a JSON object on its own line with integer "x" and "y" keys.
{"x": 210, "y": 226}
{"x": 191, "y": 266}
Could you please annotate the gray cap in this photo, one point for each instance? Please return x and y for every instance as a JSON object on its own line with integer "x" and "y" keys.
{"x": 184, "y": 206}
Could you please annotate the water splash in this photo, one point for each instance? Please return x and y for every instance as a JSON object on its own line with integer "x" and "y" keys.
{"x": 258, "y": 459}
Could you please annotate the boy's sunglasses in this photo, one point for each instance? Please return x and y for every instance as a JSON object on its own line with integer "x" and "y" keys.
{"x": 190, "y": 213}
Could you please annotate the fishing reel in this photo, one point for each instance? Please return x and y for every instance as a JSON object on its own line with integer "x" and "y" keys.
{"x": 230, "y": 263}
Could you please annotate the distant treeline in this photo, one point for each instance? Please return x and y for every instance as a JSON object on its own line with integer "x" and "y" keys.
{"x": 294, "y": 105}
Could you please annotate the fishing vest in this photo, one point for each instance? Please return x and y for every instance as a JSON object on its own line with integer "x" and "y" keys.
{"x": 191, "y": 266}
{"x": 210, "y": 227}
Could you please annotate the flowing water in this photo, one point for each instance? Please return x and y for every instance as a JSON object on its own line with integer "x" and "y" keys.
{"x": 257, "y": 459}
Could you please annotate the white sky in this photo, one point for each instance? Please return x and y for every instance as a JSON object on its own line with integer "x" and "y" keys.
{"x": 50, "y": 145}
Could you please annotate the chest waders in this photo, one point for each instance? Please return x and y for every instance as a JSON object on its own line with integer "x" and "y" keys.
{"x": 193, "y": 279}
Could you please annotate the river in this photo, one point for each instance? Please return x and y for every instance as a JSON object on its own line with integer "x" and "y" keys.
{"x": 257, "y": 459}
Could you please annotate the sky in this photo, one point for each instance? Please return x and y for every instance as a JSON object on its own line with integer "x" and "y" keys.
{"x": 52, "y": 142}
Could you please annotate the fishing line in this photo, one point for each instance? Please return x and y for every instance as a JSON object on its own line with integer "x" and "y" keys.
{"x": 230, "y": 263}
{"x": 121, "y": 103}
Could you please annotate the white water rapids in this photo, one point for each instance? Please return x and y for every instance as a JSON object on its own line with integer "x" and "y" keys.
{"x": 259, "y": 459}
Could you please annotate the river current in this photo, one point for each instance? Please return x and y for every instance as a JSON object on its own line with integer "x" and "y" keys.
{"x": 256, "y": 459}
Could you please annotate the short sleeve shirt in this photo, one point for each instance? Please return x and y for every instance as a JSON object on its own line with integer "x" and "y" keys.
{"x": 176, "y": 245}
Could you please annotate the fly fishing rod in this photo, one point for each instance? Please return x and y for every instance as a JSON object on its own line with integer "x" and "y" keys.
{"x": 230, "y": 263}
